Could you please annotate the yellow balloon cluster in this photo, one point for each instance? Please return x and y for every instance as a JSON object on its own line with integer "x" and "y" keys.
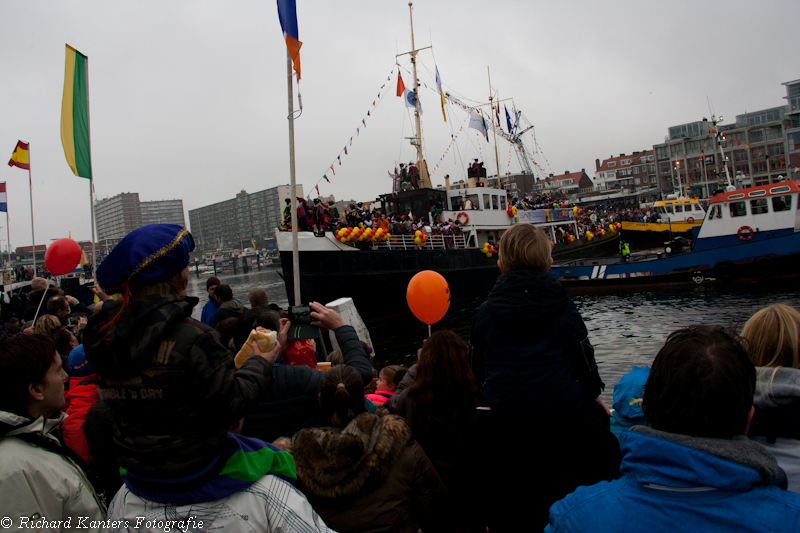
{"x": 362, "y": 234}
{"x": 589, "y": 235}
{"x": 489, "y": 249}
{"x": 420, "y": 238}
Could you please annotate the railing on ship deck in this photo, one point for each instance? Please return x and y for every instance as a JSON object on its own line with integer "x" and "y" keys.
{"x": 435, "y": 242}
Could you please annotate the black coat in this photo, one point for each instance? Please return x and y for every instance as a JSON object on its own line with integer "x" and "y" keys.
{"x": 530, "y": 348}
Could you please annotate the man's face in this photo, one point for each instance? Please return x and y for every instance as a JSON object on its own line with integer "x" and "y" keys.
{"x": 53, "y": 388}
{"x": 211, "y": 290}
{"x": 64, "y": 311}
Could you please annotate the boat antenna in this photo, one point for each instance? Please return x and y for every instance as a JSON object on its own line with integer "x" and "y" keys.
{"x": 719, "y": 138}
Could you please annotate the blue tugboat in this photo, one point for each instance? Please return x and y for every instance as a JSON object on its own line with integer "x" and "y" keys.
{"x": 747, "y": 234}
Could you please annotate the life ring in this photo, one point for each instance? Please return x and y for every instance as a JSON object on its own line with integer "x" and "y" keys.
{"x": 689, "y": 219}
{"x": 749, "y": 231}
{"x": 466, "y": 218}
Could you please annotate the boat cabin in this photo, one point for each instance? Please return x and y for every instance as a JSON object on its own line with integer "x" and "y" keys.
{"x": 679, "y": 210}
{"x": 420, "y": 203}
{"x": 754, "y": 213}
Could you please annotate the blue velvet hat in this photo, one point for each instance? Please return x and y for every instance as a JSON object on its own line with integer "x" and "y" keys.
{"x": 77, "y": 364}
{"x": 148, "y": 254}
{"x": 628, "y": 393}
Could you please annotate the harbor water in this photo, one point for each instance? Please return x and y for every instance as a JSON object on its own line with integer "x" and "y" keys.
{"x": 625, "y": 329}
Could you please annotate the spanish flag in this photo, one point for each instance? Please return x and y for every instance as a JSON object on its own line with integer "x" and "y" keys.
{"x": 20, "y": 157}
{"x": 287, "y": 13}
{"x": 75, "y": 114}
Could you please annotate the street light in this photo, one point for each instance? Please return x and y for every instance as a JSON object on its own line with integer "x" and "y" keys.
{"x": 678, "y": 172}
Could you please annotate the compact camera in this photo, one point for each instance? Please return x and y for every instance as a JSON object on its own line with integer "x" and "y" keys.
{"x": 300, "y": 315}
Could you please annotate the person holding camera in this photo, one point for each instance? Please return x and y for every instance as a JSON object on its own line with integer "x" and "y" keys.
{"x": 292, "y": 403}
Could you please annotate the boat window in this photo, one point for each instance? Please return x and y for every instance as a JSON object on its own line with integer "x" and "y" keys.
{"x": 679, "y": 209}
{"x": 486, "y": 201}
{"x": 758, "y": 207}
{"x": 473, "y": 198}
{"x": 418, "y": 204}
{"x": 455, "y": 203}
{"x": 405, "y": 206}
{"x": 503, "y": 203}
{"x": 495, "y": 205}
{"x": 697, "y": 207}
{"x": 762, "y": 192}
{"x": 781, "y": 203}
{"x": 778, "y": 190}
{"x": 715, "y": 211}
{"x": 669, "y": 209}
{"x": 738, "y": 209}
{"x": 736, "y": 196}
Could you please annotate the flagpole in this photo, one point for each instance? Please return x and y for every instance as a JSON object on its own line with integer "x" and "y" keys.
{"x": 8, "y": 235}
{"x": 494, "y": 130}
{"x": 33, "y": 236}
{"x": 293, "y": 184}
{"x": 91, "y": 172}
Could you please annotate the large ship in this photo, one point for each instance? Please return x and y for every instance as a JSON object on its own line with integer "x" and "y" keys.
{"x": 376, "y": 273}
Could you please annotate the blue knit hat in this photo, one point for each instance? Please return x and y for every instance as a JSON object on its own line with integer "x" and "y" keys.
{"x": 77, "y": 364}
{"x": 628, "y": 393}
{"x": 148, "y": 254}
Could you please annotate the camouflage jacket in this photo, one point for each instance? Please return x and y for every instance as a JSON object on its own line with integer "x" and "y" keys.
{"x": 172, "y": 387}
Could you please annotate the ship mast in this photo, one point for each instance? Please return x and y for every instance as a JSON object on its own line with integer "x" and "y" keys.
{"x": 494, "y": 130}
{"x": 424, "y": 177}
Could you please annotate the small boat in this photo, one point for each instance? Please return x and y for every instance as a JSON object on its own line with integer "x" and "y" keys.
{"x": 675, "y": 217}
{"x": 747, "y": 234}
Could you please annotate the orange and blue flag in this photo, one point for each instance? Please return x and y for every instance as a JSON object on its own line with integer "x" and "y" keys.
{"x": 287, "y": 13}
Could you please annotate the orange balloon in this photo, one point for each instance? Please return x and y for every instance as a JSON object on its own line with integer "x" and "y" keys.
{"x": 428, "y": 296}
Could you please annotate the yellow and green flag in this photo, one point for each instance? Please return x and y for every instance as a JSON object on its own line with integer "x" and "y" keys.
{"x": 75, "y": 114}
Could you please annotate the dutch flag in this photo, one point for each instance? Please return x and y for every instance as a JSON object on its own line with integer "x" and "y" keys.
{"x": 3, "y": 206}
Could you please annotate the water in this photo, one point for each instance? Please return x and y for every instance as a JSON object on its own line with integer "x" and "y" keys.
{"x": 625, "y": 330}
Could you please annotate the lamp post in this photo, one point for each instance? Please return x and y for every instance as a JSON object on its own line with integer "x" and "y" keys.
{"x": 678, "y": 172}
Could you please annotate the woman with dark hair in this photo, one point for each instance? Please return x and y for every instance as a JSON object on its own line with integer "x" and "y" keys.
{"x": 364, "y": 472}
{"x": 438, "y": 397}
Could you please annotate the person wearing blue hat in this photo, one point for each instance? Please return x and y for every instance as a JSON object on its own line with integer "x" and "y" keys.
{"x": 173, "y": 389}
{"x": 627, "y": 404}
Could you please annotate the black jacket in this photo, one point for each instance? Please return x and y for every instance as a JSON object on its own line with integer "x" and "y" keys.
{"x": 172, "y": 387}
{"x": 292, "y": 403}
{"x": 530, "y": 348}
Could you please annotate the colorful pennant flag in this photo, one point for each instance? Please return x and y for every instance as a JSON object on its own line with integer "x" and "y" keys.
{"x": 75, "y": 114}
{"x": 439, "y": 90}
{"x": 477, "y": 122}
{"x": 287, "y": 13}
{"x": 401, "y": 87}
{"x": 508, "y": 121}
{"x": 326, "y": 178}
{"x": 20, "y": 157}
{"x": 3, "y": 205}
{"x": 413, "y": 101}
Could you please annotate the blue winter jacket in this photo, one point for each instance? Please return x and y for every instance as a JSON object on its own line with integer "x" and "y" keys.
{"x": 679, "y": 483}
{"x": 209, "y": 309}
{"x": 530, "y": 349}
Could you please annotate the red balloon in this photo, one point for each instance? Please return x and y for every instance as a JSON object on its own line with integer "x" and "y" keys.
{"x": 428, "y": 296}
{"x": 62, "y": 257}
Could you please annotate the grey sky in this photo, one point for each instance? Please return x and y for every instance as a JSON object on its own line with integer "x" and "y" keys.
{"x": 188, "y": 98}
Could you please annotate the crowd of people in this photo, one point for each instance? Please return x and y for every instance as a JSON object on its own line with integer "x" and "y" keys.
{"x": 143, "y": 418}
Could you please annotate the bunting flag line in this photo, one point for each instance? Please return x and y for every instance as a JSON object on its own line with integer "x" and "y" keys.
{"x": 317, "y": 187}
{"x": 439, "y": 90}
{"x": 287, "y": 13}
{"x": 20, "y": 158}
{"x": 3, "y": 204}
{"x": 326, "y": 178}
{"x": 75, "y": 114}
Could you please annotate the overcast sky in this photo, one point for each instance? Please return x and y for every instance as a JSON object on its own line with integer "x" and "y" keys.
{"x": 189, "y": 98}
